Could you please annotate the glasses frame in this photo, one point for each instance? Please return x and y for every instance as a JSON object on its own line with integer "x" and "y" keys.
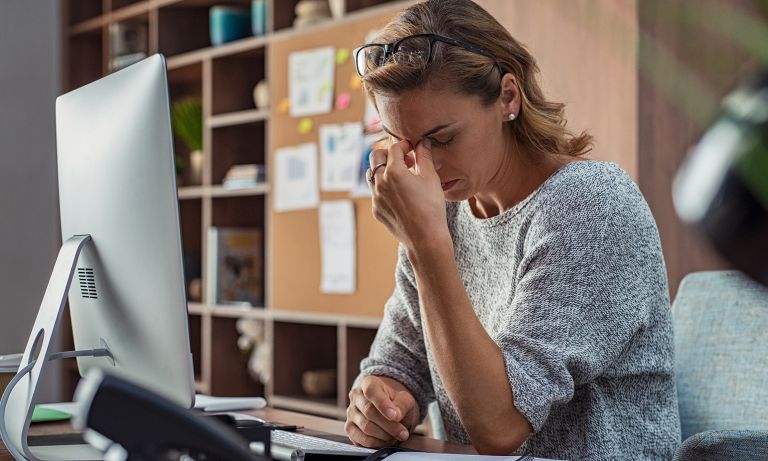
{"x": 391, "y": 48}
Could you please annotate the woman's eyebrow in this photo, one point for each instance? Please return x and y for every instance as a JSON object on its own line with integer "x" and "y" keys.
{"x": 431, "y": 131}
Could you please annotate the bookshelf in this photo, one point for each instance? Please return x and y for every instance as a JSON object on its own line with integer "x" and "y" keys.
{"x": 234, "y": 132}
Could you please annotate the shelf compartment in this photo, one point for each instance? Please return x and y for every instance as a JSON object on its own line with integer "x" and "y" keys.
{"x": 128, "y": 36}
{"x": 129, "y": 10}
{"x": 190, "y": 219}
{"x": 237, "y": 118}
{"x": 359, "y": 342}
{"x": 237, "y": 145}
{"x": 234, "y": 77}
{"x": 299, "y": 348}
{"x": 195, "y": 343}
{"x": 79, "y": 11}
{"x": 118, "y": 5}
{"x": 230, "y": 373}
{"x": 185, "y": 28}
{"x": 84, "y": 59}
{"x": 283, "y": 17}
{"x": 219, "y": 191}
{"x": 246, "y": 211}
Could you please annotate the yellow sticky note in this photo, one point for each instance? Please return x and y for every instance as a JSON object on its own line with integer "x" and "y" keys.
{"x": 354, "y": 82}
{"x": 305, "y": 125}
{"x": 284, "y": 105}
{"x": 342, "y": 55}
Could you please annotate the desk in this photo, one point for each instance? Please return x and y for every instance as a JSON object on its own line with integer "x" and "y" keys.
{"x": 281, "y": 416}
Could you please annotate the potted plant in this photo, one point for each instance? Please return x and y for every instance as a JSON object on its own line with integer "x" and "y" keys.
{"x": 187, "y": 120}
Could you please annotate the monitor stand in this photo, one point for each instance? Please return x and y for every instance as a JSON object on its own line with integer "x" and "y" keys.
{"x": 18, "y": 400}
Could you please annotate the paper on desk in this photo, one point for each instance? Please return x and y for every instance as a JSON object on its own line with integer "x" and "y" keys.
{"x": 296, "y": 178}
{"x": 10, "y": 363}
{"x": 208, "y": 403}
{"x": 417, "y": 456}
{"x": 337, "y": 246}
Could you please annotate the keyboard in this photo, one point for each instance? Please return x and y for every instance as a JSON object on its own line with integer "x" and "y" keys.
{"x": 295, "y": 446}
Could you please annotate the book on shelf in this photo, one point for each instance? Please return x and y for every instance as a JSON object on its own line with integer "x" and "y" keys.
{"x": 235, "y": 266}
{"x": 242, "y": 176}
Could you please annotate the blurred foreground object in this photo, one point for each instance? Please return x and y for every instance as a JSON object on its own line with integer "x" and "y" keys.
{"x": 722, "y": 188}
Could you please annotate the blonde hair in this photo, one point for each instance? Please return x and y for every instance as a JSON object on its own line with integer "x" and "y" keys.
{"x": 539, "y": 127}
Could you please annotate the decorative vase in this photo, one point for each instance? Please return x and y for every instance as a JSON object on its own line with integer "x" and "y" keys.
{"x": 195, "y": 168}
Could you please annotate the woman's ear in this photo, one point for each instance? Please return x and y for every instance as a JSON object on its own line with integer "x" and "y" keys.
{"x": 509, "y": 98}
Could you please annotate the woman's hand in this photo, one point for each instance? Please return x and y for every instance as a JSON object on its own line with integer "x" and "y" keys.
{"x": 381, "y": 412}
{"x": 407, "y": 196}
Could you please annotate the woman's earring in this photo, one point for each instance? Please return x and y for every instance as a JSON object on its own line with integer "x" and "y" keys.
{"x": 511, "y": 116}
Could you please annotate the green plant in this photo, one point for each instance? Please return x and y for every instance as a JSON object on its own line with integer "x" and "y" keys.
{"x": 187, "y": 119}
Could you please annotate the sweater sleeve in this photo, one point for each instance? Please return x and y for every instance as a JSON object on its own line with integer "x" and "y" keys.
{"x": 399, "y": 351}
{"x": 590, "y": 277}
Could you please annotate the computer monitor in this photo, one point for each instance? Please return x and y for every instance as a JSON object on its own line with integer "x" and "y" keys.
{"x": 117, "y": 185}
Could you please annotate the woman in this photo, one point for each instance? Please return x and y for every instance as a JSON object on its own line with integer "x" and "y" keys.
{"x": 531, "y": 297}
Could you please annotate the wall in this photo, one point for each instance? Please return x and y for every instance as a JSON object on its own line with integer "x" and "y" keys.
{"x": 587, "y": 54}
{"x": 29, "y": 233}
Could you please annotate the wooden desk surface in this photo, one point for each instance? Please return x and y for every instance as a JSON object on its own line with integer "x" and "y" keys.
{"x": 281, "y": 416}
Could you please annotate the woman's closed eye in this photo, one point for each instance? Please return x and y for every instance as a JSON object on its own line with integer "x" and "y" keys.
{"x": 441, "y": 143}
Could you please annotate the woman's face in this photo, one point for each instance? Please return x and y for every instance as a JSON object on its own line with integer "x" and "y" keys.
{"x": 467, "y": 139}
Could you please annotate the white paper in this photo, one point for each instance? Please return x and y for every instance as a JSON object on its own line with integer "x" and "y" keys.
{"x": 208, "y": 403}
{"x": 340, "y": 148}
{"x": 296, "y": 178}
{"x": 417, "y": 456}
{"x": 337, "y": 246}
{"x": 362, "y": 189}
{"x": 310, "y": 84}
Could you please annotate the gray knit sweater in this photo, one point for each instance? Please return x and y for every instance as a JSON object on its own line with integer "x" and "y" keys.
{"x": 571, "y": 284}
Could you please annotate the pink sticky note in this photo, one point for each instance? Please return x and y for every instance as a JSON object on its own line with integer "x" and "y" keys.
{"x": 343, "y": 100}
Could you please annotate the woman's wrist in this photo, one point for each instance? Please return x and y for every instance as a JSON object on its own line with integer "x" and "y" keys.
{"x": 432, "y": 252}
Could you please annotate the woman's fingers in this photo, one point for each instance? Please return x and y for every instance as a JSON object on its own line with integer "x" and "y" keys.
{"x": 367, "y": 427}
{"x": 373, "y": 401}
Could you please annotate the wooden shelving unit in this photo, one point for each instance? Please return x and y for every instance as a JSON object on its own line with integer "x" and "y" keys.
{"x": 235, "y": 132}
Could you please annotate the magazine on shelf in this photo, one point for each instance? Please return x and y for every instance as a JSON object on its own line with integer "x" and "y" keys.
{"x": 235, "y": 266}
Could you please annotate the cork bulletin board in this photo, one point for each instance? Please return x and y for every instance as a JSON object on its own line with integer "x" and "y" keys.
{"x": 295, "y": 258}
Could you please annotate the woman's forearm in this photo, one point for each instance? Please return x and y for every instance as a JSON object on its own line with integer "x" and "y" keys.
{"x": 470, "y": 363}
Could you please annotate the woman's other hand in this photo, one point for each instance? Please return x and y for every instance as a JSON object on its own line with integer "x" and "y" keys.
{"x": 407, "y": 196}
{"x": 381, "y": 412}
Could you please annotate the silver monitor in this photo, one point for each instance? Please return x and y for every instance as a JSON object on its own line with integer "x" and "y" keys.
{"x": 116, "y": 185}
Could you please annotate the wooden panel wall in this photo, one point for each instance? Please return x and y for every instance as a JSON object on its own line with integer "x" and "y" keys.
{"x": 672, "y": 117}
{"x": 587, "y": 54}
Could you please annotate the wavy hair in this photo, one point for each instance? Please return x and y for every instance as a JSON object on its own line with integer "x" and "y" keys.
{"x": 541, "y": 125}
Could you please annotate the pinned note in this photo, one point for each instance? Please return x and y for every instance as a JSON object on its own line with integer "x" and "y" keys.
{"x": 284, "y": 105}
{"x": 310, "y": 81}
{"x": 342, "y": 55}
{"x": 343, "y": 101}
{"x": 337, "y": 246}
{"x": 354, "y": 82}
{"x": 305, "y": 125}
{"x": 296, "y": 185}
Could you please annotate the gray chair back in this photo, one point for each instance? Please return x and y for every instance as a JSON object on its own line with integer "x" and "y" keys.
{"x": 721, "y": 345}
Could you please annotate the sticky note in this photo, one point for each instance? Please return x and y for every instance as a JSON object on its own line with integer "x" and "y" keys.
{"x": 305, "y": 125}
{"x": 354, "y": 82}
{"x": 284, "y": 105}
{"x": 342, "y": 55}
{"x": 343, "y": 100}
